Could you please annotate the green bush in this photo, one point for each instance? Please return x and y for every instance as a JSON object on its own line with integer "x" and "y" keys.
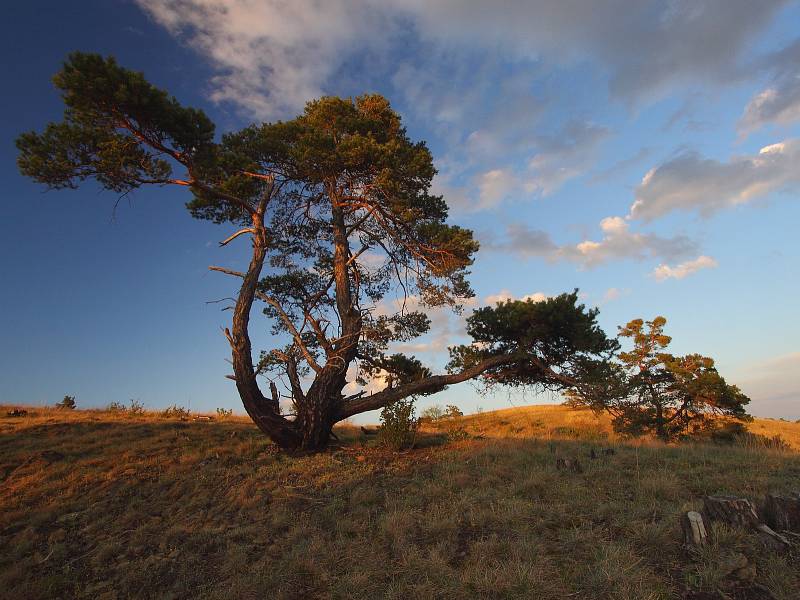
{"x": 68, "y": 402}
{"x": 399, "y": 424}
{"x": 224, "y": 413}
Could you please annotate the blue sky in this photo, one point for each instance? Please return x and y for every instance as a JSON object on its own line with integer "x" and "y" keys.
{"x": 647, "y": 153}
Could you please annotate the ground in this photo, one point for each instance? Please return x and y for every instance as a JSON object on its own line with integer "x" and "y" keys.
{"x": 103, "y": 505}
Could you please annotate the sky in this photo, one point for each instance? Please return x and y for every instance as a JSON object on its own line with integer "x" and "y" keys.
{"x": 645, "y": 152}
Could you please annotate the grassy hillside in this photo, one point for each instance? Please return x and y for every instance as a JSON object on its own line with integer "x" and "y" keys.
{"x": 97, "y": 505}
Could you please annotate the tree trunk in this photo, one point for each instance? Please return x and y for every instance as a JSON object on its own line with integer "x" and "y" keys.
{"x": 267, "y": 419}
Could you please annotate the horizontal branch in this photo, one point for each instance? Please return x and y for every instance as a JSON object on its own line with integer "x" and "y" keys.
{"x": 422, "y": 386}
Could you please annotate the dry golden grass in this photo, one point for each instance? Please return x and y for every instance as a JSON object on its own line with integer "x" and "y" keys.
{"x": 99, "y": 505}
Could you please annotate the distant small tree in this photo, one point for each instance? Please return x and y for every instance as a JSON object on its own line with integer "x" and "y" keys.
{"x": 68, "y": 402}
{"x": 648, "y": 390}
{"x": 432, "y": 413}
{"x": 451, "y": 411}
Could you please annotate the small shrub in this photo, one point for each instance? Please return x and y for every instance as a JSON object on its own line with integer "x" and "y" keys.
{"x": 455, "y": 434}
{"x": 175, "y": 412}
{"x": 224, "y": 413}
{"x": 135, "y": 408}
{"x": 398, "y": 428}
{"x": 68, "y": 403}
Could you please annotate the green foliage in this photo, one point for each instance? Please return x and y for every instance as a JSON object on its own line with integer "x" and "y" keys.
{"x": 554, "y": 340}
{"x": 67, "y": 403}
{"x": 224, "y": 413}
{"x": 399, "y": 425}
{"x": 109, "y": 110}
{"x": 175, "y": 412}
{"x": 649, "y": 390}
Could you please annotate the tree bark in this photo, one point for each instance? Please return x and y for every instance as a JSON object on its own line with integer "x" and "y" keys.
{"x": 782, "y": 511}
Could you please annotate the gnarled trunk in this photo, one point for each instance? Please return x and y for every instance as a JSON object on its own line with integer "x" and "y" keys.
{"x": 259, "y": 408}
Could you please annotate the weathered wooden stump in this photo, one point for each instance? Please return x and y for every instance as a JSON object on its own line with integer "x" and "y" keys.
{"x": 694, "y": 530}
{"x": 782, "y": 511}
{"x": 569, "y": 464}
{"x": 731, "y": 510}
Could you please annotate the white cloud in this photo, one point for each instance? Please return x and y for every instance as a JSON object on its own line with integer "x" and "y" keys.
{"x": 663, "y": 271}
{"x": 271, "y": 56}
{"x": 690, "y": 182}
{"x": 617, "y": 243}
{"x": 506, "y": 295}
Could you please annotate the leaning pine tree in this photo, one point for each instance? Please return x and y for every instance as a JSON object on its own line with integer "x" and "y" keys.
{"x": 337, "y": 209}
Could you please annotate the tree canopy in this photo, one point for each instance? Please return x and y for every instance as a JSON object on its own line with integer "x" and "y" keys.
{"x": 650, "y": 390}
{"x": 344, "y": 234}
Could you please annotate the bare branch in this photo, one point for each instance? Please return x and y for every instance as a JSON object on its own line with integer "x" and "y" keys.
{"x": 235, "y": 235}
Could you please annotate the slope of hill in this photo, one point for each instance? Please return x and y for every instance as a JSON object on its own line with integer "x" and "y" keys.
{"x": 99, "y": 505}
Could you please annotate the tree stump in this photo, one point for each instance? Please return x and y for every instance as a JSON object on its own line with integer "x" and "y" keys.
{"x": 731, "y": 510}
{"x": 569, "y": 464}
{"x": 782, "y": 511}
{"x": 740, "y": 512}
{"x": 694, "y": 530}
